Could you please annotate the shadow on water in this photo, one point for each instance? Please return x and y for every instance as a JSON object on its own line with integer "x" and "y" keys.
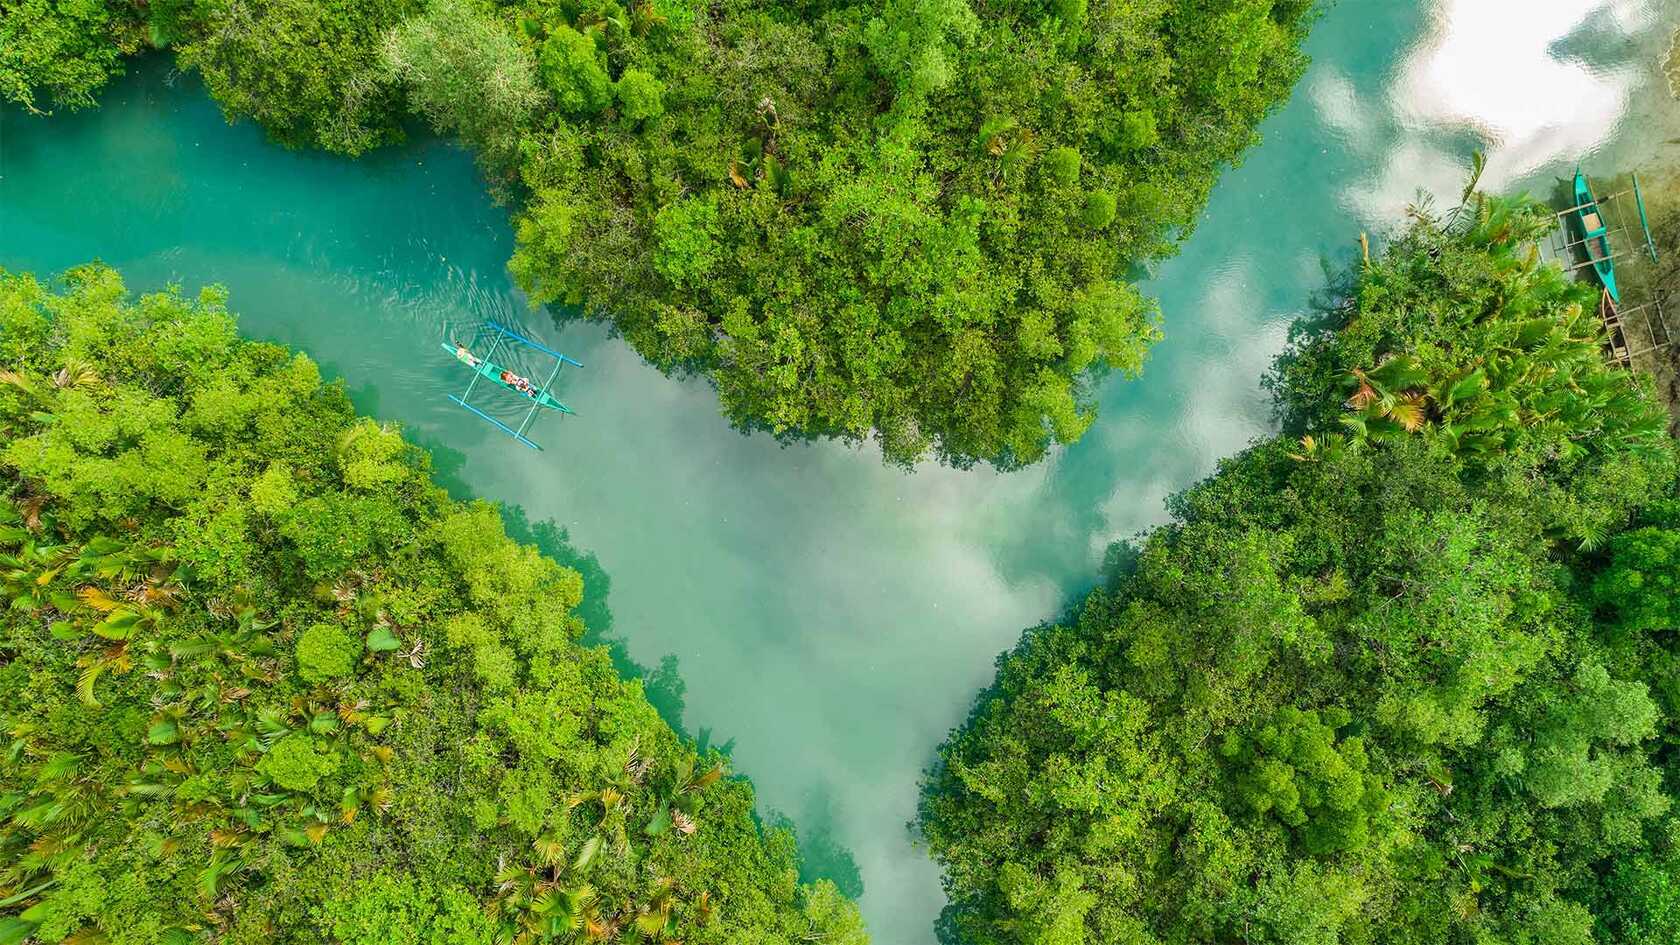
{"x": 663, "y": 685}
{"x": 821, "y": 856}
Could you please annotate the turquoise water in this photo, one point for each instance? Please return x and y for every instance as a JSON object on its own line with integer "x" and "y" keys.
{"x": 833, "y": 616}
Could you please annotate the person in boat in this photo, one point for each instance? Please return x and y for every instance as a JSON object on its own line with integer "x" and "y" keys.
{"x": 519, "y": 383}
{"x": 461, "y": 352}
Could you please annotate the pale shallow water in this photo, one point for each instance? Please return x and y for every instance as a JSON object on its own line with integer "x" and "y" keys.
{"x": 833, "y": 616}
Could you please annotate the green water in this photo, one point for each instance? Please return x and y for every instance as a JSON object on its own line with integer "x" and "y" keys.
{"x": 832, "y": 616}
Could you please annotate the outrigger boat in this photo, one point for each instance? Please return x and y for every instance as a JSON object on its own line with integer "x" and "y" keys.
{"x": 492, "y": 372}
{"x": 486, "y": 368}
{"x": 1595, "y": 235}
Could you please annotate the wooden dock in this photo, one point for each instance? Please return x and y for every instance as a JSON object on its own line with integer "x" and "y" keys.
{"x": 1636, "y": 331}
{"x": 1614, "y": 337}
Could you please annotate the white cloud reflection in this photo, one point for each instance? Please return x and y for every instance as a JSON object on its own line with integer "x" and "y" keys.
{"x": 1502, "y": 76}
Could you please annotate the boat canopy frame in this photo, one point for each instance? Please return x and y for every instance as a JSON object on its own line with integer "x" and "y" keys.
{"x": 501, "y": 338}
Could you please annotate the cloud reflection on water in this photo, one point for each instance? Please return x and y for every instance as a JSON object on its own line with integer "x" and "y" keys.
{"x": 1535, "y": 84}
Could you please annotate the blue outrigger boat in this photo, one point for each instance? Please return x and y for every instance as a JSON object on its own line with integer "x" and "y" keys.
{"x": 492, "y": 372}
{"x": 1595, "y": 235}
{"x": 485, "y": 368}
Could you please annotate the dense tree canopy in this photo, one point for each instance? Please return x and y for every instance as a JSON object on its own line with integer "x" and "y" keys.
{"x": 308, "y": 70}
{"x": 908, "y": 217}
{"x": 263, "y": 682}
{"x": 1414, "y": 677}
{"x": 902, "y": 218}
{"x": 61, "y": 52}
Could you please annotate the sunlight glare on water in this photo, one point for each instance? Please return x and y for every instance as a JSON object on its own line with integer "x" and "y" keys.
{"x": 1534, "y": 83}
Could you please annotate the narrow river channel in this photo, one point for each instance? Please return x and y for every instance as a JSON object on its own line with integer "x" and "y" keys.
{"x": 830, "y": 615}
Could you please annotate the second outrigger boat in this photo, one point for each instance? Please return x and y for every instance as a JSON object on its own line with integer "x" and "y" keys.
{"x": 1595, "y": 235}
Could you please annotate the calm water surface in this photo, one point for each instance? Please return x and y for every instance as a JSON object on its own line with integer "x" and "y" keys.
{"x": 833, "y": 616}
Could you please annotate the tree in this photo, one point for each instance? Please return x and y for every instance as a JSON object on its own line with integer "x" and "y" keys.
{"x": 308, "y": 72}
{"x": 570, "y": 70}
{"x": 325, "y": 653}
{"x": 61, "y": 52}
{"x": 640, "y": 95}
{"x": 1295, "y": 768}
{"x": 1642, "y": 583}
{"x": 466, "y": 74}
{"x": 1640, "y": 902}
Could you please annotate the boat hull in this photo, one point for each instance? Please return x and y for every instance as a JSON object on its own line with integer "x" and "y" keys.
{"x": 1595, "y": 235}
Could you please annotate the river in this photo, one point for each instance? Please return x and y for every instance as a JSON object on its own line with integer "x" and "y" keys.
{"x": 833, "y": 616}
